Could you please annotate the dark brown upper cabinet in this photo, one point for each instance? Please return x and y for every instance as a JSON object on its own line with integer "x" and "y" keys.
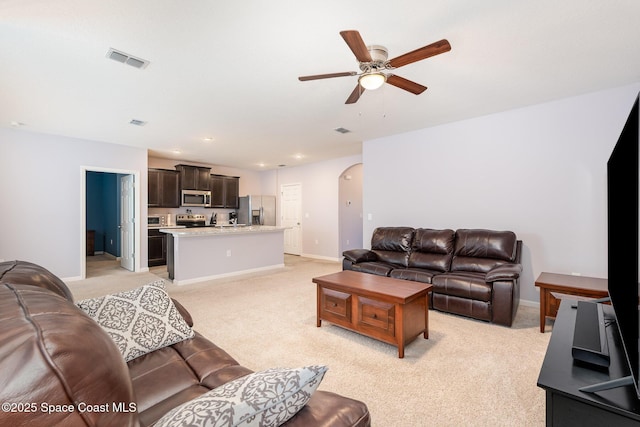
{"x": 163, "y": 188}
{"x": 194, "y": 177}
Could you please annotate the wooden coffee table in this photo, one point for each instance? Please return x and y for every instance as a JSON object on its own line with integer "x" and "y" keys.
{"x": 391, "y": 310}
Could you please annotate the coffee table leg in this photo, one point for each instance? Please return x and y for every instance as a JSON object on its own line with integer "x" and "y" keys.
{"x": 543, "y": 305}
{"x": 426, "y": 318}
{"x": 319, "y": 302}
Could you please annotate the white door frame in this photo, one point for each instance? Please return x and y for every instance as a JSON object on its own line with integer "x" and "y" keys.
{"x": 127, "y": 222}
{"x": 83, "y": 213}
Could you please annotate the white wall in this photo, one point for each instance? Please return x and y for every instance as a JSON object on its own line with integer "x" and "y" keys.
{"x": 40, "y": 193}
{"x": 539, "y": 171}
{"x": 320, "y": 198}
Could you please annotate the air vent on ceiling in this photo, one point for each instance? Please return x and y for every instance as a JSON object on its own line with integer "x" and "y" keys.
{"x": 342, "y": 130}
{"x": 125, "y": 58}
{"x": 137, "y": 122}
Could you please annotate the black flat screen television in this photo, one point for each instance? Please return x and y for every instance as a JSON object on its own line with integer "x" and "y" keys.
{"x": 622, "y": 217}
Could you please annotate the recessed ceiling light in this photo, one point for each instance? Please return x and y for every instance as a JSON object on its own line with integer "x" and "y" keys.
{"x": 342, "y": 130}
{"x": 17, "y": 124}
{"x": 176, "y": 151}
{"x": 137, "y": 122}
{"x": 208, "y": 139}
{"x": 298, "y": 156}
{"x": 261, "y": 165}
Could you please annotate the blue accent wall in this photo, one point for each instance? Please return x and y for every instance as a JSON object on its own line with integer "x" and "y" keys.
{"x": 103, "y": 210}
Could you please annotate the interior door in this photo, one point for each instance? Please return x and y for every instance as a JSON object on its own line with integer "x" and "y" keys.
{"x": 127, "y": 223}
{"x": 291, "y": 208}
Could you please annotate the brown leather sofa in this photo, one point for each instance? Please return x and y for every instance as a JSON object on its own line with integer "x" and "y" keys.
{"x": 474, "y": 273}
{"x": 60, "y": 368}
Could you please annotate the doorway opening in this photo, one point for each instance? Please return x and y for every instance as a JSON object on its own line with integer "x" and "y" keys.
{"x": 109, "y": 228}
{"x": 350, "y": 209}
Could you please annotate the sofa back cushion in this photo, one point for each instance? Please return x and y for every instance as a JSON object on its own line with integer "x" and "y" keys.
{"x": 59, "y": 362}
{"x": 392, "y": 245}
{"x": 432, "y": 249}
{"x": 482, "y": 250}
{"x": 28, "y": 273}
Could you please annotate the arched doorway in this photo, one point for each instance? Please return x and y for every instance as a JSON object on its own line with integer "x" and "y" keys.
{"x": 350, "y": 209}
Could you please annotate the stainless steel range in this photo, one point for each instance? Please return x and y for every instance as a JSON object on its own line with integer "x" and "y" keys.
{"x": 191, "y": 220}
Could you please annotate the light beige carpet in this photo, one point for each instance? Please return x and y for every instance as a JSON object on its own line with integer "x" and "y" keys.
{"x": 469, "y": 373}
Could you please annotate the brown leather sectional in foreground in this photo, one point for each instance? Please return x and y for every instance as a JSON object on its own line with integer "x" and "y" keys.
{"x": 474, "y": 273}
{"x": 59, "y": 367}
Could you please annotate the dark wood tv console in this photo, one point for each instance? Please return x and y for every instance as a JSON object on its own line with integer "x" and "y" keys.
{"x": 561, "y": 378}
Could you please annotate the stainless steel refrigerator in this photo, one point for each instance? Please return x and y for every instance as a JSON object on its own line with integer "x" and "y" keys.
{"x": 257, "y": 210}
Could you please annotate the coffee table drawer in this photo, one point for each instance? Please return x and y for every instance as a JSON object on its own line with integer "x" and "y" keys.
{"x": 336, "y": 305}
{"x": 377, "y": 315}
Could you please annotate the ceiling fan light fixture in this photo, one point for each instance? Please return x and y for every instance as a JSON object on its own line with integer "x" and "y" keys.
{"x": 372, "y": 81}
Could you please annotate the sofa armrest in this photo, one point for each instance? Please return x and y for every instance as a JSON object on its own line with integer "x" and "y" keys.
{"x": 183, "y": 312}
{"x": 504, "y": 272}
{"x": 360, "y": 255}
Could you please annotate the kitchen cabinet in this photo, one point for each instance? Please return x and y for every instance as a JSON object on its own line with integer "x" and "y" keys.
{"x": 163, "y": 189}
{"x": 224, "y": 191}
{"x": 194, "y": 177}
{"x": 157, "y": 248}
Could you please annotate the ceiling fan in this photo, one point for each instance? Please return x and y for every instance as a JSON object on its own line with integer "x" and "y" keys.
{"x": 373, "y": 60}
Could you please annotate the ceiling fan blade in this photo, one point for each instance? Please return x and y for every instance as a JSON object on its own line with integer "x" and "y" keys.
{"x": 355, "y": 95}
{"x": 433, "y": 49}
{"x": 326, "y": 76}
{"x": 356, "y": 44}
{"x": 405, "y": 84}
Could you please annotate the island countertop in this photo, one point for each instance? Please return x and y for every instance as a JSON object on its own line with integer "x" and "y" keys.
{"x": 221, "y": 230}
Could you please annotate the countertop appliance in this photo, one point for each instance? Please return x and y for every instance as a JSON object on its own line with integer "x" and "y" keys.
{"x": 196, "y": 198}
{"x": 191, "y": 220}
{"x": 156, "y": 220}
{"x": 257, "y": 210}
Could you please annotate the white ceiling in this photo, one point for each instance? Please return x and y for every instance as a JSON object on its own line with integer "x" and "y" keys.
{"x": 228, "y": 70}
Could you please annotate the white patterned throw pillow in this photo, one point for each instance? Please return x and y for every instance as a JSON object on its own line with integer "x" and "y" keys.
{"x": 266, "y": 399}
{"x": 140, "y": 320}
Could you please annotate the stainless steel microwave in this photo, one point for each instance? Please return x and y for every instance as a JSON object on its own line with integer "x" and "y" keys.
{"x": 196, "y": 198}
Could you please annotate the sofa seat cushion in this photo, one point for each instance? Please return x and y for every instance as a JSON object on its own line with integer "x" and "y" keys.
{"x": 266, "y": 398}
{"x": 378, "y": 268}
{"x": 463, "y": 306}
{"x": 463, "y": 284}
{"x": 331, "y": 410}
{"x": 173, "y": 375}
{"x": 414, "y": 274}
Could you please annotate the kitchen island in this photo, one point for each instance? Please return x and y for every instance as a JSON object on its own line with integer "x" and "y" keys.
{"x": 204, "y": 253}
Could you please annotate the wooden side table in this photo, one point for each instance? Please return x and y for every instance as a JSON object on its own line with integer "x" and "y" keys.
{"x": 565, "y": 284}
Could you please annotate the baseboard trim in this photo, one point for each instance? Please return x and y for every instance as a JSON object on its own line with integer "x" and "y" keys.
{"x": 528, "y": 303}
{"x": 221, "y": 276}
{"x": 324, "y": 258}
